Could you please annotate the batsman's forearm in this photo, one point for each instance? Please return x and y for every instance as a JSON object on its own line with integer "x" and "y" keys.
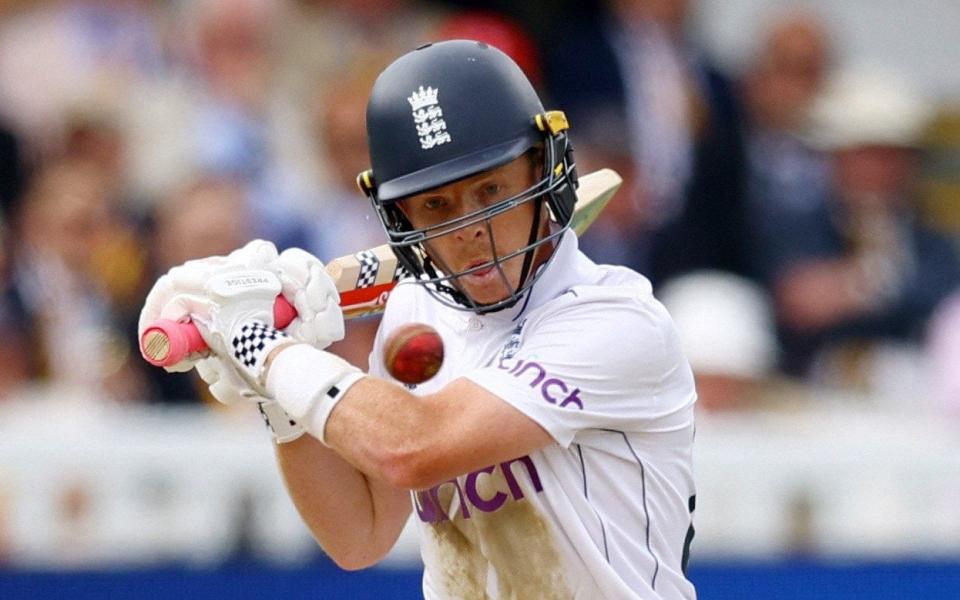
{"x": 386, "y": 432}
{"x": 356, "y": 520}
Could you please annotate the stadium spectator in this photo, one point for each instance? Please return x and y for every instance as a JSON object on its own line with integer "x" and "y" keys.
{"x": 640, "y": 65}
{"x": 69, "y": 226}
{"x": 860, "y": 270}
{"x": 322, "y": 38}
{"x": 339, "y": 127}
{"x": 602, "y": 142}
{"x": 781, "y": 84}
{"x": 13, "y": 172}
{"x": 499, "y": 31}
{"x": 186, "y": 224}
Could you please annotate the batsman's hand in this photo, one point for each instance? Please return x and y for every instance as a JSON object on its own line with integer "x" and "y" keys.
{"x": 306, "y": 284}
{"x": 179, "y": 295}
{"x": 238, "y": 324}
{"x": 182, "y": 293}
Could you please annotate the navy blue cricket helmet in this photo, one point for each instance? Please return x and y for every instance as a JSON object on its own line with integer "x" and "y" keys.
{"x": 447, "y": 111}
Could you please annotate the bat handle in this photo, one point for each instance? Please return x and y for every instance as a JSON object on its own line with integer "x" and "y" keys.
{"x": 167, "y": 342}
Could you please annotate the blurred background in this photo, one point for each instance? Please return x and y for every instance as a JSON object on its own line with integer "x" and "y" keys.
{"x": 792, "y": 188}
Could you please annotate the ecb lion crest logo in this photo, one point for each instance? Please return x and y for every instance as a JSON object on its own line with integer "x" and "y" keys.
{"x": 513, "y": 344}
{"x": 428, "y": 117}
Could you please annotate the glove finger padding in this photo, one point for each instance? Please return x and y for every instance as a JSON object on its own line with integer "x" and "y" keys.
{"x": 321, "y": 302}
{"x": 188, "y": 278}
{"x": 293, "y": 268}
{"x": 313, "y": 293}
{"x": 225, "y": 383}
{"x": 178, "y": 308}
{"x": 156, "y": 299}
{"x": 165, "y": 301}
{"x": 191, "y": 277}
{"x": 257, "y": 254}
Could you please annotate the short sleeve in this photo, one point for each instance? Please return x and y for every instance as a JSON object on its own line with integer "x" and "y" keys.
{"x": 375, "y": 362}
{"x": 595, "y": 361}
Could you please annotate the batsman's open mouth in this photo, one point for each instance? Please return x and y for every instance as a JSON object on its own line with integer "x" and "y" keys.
{"x": 480, "y": 275}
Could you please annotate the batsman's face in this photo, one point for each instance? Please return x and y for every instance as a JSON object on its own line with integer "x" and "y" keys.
{"x": 488, "y": 239}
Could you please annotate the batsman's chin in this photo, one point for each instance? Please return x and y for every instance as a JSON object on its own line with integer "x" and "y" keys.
{"x": 485, "y": 288}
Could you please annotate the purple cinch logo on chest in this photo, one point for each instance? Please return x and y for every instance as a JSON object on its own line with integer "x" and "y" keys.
{"x": 553, "y": 389}
{"x": 430, "y": 509}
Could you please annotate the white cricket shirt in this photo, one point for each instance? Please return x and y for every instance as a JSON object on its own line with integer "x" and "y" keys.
{"x": 605, "y": 511}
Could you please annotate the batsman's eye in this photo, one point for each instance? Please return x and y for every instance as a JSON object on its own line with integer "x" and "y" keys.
{"x": 491, "y": 191}
{"x": 434, "y": 204}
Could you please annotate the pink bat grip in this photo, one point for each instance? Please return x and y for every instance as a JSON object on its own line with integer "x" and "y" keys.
{"x": 168, "y": 342}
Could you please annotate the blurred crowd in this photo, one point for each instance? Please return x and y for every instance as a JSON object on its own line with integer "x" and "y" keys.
{"x": 799, "y": 217}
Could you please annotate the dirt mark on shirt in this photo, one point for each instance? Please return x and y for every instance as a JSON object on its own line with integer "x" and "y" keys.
{"x": 515, "y": 541}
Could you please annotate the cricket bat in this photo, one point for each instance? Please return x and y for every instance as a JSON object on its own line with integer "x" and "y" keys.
{"x": 364, "y": 280}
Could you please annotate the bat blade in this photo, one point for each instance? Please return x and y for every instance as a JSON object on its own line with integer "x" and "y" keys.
{"x": 595, "y": 192}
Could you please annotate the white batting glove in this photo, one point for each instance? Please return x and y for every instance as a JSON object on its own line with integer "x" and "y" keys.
{"x": 179, "y": 294}
{"x": 310, "y": 382}
{"x": 239, "y": 322}
{"x": 306, "y": 285}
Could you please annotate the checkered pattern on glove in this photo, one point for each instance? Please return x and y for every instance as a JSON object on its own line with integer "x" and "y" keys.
{"x": 252, "y": 343}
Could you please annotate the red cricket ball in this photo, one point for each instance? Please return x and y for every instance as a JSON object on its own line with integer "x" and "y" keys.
{"x": 413, "y": 353}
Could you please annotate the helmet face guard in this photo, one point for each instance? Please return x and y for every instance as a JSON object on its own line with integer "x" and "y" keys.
{"x": 411, "y": 244}
{"x": 480, "y": 114}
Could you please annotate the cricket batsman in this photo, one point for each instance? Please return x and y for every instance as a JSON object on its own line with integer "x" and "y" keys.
{"x": 550, "y": 457}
